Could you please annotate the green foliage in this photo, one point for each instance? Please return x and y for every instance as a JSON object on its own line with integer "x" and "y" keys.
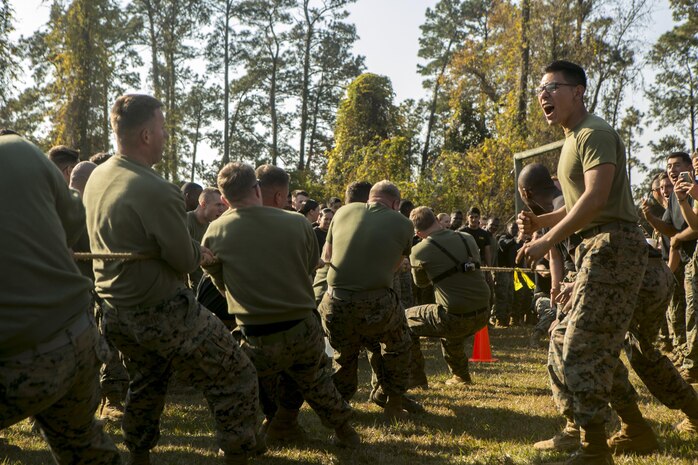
{"x": 8, "y": 52}
{"x": 367, "y": 135}
{"x": 674, "y": 95}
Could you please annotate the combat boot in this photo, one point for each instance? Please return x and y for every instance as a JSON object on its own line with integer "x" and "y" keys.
{"x": 635, "y": 435}
{"x": 565, "y": 441}
{"x": 394, "y": 409}
{"x": 380, "y": 398}
{"x": 138, "y": 457}
{"x": 456, "y": 380}
{"x": 690, "y": 423}
{"x": 346, "y": 436}
{"x": 284, "y": 426}
{"x": 236, "y": 459}
{"x": 594, "y": 449}
{"x": 111, "y": 408}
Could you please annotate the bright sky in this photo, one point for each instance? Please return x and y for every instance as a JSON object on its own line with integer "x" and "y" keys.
{"x": 389, "y": 33}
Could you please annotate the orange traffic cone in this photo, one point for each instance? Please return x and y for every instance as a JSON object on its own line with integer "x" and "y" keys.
{"x": 481, "y": 347}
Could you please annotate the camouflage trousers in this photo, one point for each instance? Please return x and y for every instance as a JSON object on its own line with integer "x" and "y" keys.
{"x": 355, "y": 320}
{"x": 545, "y": 312}
{"x": 435, "y": 321}
{"x": 181, "y": 335}
{"x": 654, "y": 369}
{"x": 585, "y": 347}
{"x": 690, "y": 361}
{"x": 504, "y": 292}
{"x": 60, "y": 388}
{"x": 676, "y": 313}
{"x": 299, "y": 353}
{"x": 113, "y": 377}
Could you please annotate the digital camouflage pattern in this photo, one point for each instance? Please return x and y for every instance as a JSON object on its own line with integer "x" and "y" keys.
{"x": 182, "y": 336}
{"x": 352, "y": 323}
{"x": 654, "y": 369}
{"x": 113, "y": 377}
{"x": 299, "y": 353}
{"x": 61, "y": 390}
{"x": 434, "y": 321}
{"x": 676, "y": 313}
{"x": 585, "y": 346}
{"x": 690, "y": 359}
{"x": 545, "y": 312}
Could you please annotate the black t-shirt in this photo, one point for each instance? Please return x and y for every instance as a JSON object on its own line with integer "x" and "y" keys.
{"x": 506, "y": 250}
{"x": 321, "y": 237}
{"x": 674, "y": 217}
{"x": 482, "y": 238}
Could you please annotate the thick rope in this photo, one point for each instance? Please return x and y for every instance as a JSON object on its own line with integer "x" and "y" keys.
{"x": 127, "y": 256}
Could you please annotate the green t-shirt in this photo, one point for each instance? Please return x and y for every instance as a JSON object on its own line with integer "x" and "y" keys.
{"x": 265, "y": 257}
{"x": 131, "y": 208}
{"x": 197, "y": 231}
{"x": 367, "y": 243}
{"x": 592, "y": 143}
{"x": 460, "y": 292}
{"x": 41, "y": 290}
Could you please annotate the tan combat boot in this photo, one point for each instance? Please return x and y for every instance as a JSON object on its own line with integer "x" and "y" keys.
{"x": 456, "y": 380}
{"x": 565, "y": 441}
{"x": 111, "y": 408}
{"x": 284, "y": 426}
{"x": 394, "y": 409}
{"x": 346, "y": 436}
{"x": 594, "y": 450}
{"x": 635, "y": 435}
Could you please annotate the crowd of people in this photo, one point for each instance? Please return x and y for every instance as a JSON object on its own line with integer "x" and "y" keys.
{"x": 243, "y": 288}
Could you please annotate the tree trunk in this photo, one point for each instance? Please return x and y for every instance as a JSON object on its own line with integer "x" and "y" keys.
{"x": 305, "y": 83}
{"x": 226, "y": 87}
{"x": 525, "y": 64}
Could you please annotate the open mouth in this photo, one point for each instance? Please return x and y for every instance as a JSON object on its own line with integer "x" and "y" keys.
{"x": 548, "y": 109}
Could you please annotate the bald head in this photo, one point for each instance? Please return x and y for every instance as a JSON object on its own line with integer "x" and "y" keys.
{"x": 536, "y": 178}
{"x": 80, "y": 174}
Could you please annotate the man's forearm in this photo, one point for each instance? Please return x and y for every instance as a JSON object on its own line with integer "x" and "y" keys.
{"x": 551, "y": 219}
{"x": 662, "y": 227}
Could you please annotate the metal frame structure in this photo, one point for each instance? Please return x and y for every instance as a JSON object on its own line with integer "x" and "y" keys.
{"x": 518, "y": 165}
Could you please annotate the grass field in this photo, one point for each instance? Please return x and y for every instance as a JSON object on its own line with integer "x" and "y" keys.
{"x": 492, "y": 422}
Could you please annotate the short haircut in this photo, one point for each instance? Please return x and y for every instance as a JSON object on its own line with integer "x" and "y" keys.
{"x": 474, "y": 211}
{"x": 9, "y": 132}
{"x": 334, "y": 200}
{"x": 423, "y": 218}
{"x": 207, "y": 194}
{"x": 80, "y": 174}
{"x": 190, "y": 187}
{"x": 385, "y": 188}
{"x": 131, "y": 112}
{"x": 235, "y": 180}
{"x": 406, "y": 206}
{"x": 536, "y": 178}
{"x": 685, "y": 157}
{"x": 325, "y": 211}
{"x": 307, "y": 206}
{"x": 441, "y": 216}
{"x": 574, "y": 74}
{"x": 272, "y": 176}
{"x": 357, "y": 191}
{"x": 99, "y": 158}
{"x": 63, "y": 156}
{"x": 298, "y": 192}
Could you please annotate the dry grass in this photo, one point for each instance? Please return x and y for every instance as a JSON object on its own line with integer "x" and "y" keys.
{"x": 494, "y": 422}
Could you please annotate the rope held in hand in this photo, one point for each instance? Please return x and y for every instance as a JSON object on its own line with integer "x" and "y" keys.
{"x": 128, "y": 256}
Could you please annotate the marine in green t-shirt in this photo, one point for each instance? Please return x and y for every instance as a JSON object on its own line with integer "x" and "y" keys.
{"x": 611, "y": 260}
{"x": 209, "y": 208}
{"x": 450, "y": 261}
